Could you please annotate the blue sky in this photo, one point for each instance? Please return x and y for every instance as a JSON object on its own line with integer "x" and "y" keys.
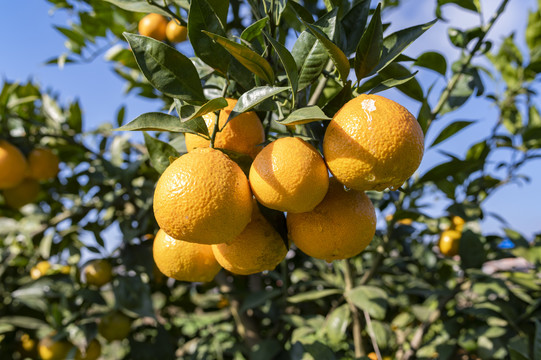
{"x": 28, "y": 39}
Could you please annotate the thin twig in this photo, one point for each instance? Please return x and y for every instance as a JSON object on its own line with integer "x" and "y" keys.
{"x": 320, "y": 86}
{"x": 371, "y": 333}
{"x": 357, "y": 338}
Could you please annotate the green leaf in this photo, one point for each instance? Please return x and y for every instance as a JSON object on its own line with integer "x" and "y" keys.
{"x": 390, "y": 83}
{"x": 353, "y": 22}
{"x": 258, "y": 299}
{"x": 465, "y": 4}
{"x": 304, "y": 115}
{"x": 309, "y": 54}
{"x": 394, "y": 44}
{"x": 533, "y": 31}
{"x": 189, "y": 112}
{"x": 159, "y": 152}
{"x": 276, "y": 218}
{"x": 289, "y": 64}
{"x": 433, "y": 61}
{"x": 369, "y": 298}
{"x": 24, "y": 322}
{"x": 339, "y": 59}
{"x": 221, "y": 7}
{"x": 338, "y": 100}
{"x": 450, "y": 130}
{"x": 202, "y": 17}
{"x": 155, "y": 121}
{"x": 254, "y": 30}
{"x": 537, "y": 340}
{"x": 337, "y": 323}
{"x": 313, "y": 295}
{"x": 471, "y": 251}
{"x": 398, "y": 76}
{"x": 166, "y": 69}
{"x": 247, "y": 57}
{"x": 254, "y": 97}
{"x": 143, "y": 6}
{"x": 369, "y": 49}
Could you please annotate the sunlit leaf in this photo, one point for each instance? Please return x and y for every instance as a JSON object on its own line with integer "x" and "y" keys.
{"x": 305, "y": 115}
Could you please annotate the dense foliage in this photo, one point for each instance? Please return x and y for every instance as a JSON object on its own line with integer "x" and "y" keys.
{"x": 400, "y": 298}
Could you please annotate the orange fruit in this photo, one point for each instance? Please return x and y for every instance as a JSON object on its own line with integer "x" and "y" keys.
{"x": 40, "y": 269}
{"x": 450, "y": 242}
{"x": 243, "y": 134}
{"x": 340, "y": 227}
{"x": 458, "y": 223}
{"x": 25, "y": 192}
{"x": 153, "y": 25}
{"x": 183, "y": 260}
{"x": 175, "y": 32}
{"x": 203, "y": 197}
{"x": 50, "y": 349}
{"x": 92, "y": 352}
{"x": 42, "y": 164}
{"x": 373, "y": 143}
{"x": 372, "y": 356}
{"x": 259, "y": 247}
{"x": 28, "y": 346}
{"x": 13, "y": 165}
{"x": 289, "y": 175}
{"x": 98, "y": 272}
{"x": 114, "y": 326}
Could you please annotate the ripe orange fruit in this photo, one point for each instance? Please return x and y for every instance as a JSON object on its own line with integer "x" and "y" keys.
{"x": 153, "y": 25}
{"x": 203, "y": 197}
{"x": 259, "y": 247}
{"x": 40, "y": 269}
{"x": 175, "y": 32}
{"x": 244, "y": 134}
{"x": 98, "y": 272}
{"x": 289, "y": 175}
{"x": 92, "y": 352}
{"x": 13, "y": 165}
{"x": 50, "y": 349}
{"x": 42, "y": 164}
{"x": 450, "y": 242}
{"x": 25, "y": 192}
{"x": 373, "y": 143}
{"x": 114, "y": 326}
{"x": 340, "y": 227}
{"x": 183, "y": 260}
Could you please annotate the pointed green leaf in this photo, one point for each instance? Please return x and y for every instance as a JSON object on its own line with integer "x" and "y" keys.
{"x": 338, "y": 100}
{"x": 465, "y": 4}
{"x": 450, "y": 130}
{"x": 288, "y": 62}
{"x": 336, "y": 324}
{"x": 143, "y": 6}
{"x": 309, "y": 54}
{"x": 369, "y": 298}
{"x": 254, "y": 97}
{"x": 221, "y": 7}
{"x": 394, "y": 44}
{"x": 189, "y": 112}
{"x": 313, "y": 295}
{"x": 254, "y": 30}
{"x": 166, "y": 69}
{"x": 354, "y": 22}
{"x": 155, "y": 121}
{"x": 471, "y": 251}
{"x": 339, "y": 59}
{"x": 247, "y": 57}
{"x": 397, "y": 75}
{"x": 202, "y": 17}
{"x": 305, "y": 115}
{"x": 433, "y": 61}
{"x": 533, "y": 31}
{"x": 390, "y": 83}
{"x": 159, "y": 152}
{"x": 370, "y": 46}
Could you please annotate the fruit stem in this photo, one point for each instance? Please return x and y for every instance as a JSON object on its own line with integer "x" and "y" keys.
{"x": 167, "y": 10}
{"x": 216, "y": 129}
{"x": 357, "y": 338}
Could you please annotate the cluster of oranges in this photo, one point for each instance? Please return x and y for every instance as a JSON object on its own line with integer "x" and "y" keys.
{"x": 209, "y": 213}
{"x": 20, "y": 176}
{"x": 114, "y": 325}
{"x": 158, "y": 27}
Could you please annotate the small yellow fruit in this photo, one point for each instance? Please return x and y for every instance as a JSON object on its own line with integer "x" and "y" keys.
{"x": 373, "y": 143}
{"x": 42, "y": 164}
{"x": 92, "y": 352}
{"x": 114, "y": 326}
{"x": 50, "y": 349}
{"x": 26, "y": 192}
{"x": 372, "y": 356}
{"x": 203, "y": 197}
{"x": 153, "y": 25}
{"x": 243, "y": 134}
{"x": 13, "y": 165}
{"x": 449, "y": 243}
{"x": 98, "y": 272}
{"x": 289, "y": 175}
{"x": 340, "y": 227}
{"x": 40, "y": 269}
{"x": 183, "y": 260}
{"x": 259, "y": 247}
{"x": 28, "y": 346}
{"x": 458, "y": 223}
{"x": 175, "y": 32}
